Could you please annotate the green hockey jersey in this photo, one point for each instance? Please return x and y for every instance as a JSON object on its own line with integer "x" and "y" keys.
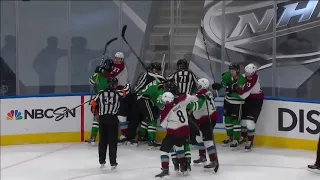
{"x": 227, "y": 80}
{"x": 200, "y": 109}
{"x": 153, "y": 91}
{"x": 99, "y": 80}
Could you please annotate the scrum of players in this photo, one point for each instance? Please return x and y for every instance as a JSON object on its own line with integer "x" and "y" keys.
{"x": 180, "y": 101}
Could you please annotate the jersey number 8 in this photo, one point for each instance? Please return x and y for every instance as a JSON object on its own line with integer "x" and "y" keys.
{"x": 182, "y": 119}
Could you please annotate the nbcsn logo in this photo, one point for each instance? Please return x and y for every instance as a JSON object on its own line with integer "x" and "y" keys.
{"x": 14, "y": 114}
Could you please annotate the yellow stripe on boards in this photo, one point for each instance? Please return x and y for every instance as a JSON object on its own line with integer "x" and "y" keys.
{"x": 260, "y": 141}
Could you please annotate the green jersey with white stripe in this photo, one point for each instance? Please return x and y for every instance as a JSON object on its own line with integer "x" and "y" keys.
{"x": 227, "y": 80}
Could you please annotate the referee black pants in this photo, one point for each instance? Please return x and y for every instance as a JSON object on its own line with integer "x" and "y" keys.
{"x": 108, "y": 134}
{"x": 318, "y": 153}
{"x": 134, "y": 118}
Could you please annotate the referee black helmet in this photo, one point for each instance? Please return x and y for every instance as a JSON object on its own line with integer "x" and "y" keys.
{"x": 182, "y": 64}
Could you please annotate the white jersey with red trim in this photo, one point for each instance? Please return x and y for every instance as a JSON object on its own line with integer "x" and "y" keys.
{"x": 174, "y": 117}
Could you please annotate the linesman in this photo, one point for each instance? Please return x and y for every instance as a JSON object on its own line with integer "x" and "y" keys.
{"x": 105, "y": 107}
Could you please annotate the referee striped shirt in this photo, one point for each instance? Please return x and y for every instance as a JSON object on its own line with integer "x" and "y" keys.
{"x": 108, "y": 101}
{"x": 185, "y": 80}
{"x": 145, "y": 79}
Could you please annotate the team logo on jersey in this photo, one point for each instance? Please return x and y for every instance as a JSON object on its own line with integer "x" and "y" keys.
{"x": 248, "y": 28}
{"x": 14, "y": 114}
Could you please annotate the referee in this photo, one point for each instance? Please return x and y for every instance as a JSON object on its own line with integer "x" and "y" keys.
{"x": 105, "y": 106}
{"x": 184, "y": 78}
{"x": 316, "y": 166}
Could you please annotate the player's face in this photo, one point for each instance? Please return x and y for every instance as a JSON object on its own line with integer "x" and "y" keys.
{"x": 117, "y": 60}
{"x": 234, "y": 72}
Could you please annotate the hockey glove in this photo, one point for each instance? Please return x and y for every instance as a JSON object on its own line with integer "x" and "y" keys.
{"x": 216, "y": 86}
{"x": 209, "y": 94}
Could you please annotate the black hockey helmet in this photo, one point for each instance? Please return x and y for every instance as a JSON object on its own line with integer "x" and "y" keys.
{"x": 234, "y": 66}
{"x": 172, "y": 87}
{"x": 182, "y": 64}
{"x": 107, "y": 65}
{"x": 156, "y": 66}
{"x": 112, "y": 83}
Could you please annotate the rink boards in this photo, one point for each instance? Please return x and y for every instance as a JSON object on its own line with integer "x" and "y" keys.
{"x": 283, "y": 123}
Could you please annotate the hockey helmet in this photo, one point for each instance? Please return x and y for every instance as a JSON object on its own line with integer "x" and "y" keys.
{"x": 234, "y": 66}
{"x": 182, "y": 64}
{"x": 107, "y": 65}
{"x": 167, "y": 97}
{"x": 203, "y": 83}
{"x": 156, "y": 66}
{"x": 250, "y": 69}
{"x": 119, "y": 55}
{"x": 112, "y": 83}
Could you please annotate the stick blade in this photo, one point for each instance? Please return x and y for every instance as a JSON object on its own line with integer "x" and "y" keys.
{"x": 109, "y": 42}
{"x": 124, "y": 30}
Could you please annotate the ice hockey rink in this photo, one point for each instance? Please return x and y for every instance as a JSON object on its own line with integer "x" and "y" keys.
{"x": 80, "y": 162}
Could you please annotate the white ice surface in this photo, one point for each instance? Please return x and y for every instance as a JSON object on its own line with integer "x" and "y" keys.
{"x": 80, "y": 162}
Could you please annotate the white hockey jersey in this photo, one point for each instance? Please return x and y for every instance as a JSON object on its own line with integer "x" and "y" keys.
{"x": 174, "y": 117}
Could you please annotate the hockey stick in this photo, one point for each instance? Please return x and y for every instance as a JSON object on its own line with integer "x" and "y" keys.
{"x": 214, "y": 143}
{"x": 102, "y": 60}
{"x": 61, "y": 116}
{"x": 209, "y": 61}
{"x": 124, "y": 29}
{"x": 123, "y": 33}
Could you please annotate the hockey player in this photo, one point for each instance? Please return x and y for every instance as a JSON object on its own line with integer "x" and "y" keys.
{"x": 174, "y": 119}
{"x": 100, "y": 82}
{"x": 187, "y": 84}
{"x": 145, "y": 80}
{"x": 232, "y": 104}
{"x": 253, "y": 95}
{"x": 206, "y": 116}
{"x": 120, "y": 71}
{"x": 316, "y": 167}
{"x": 149, "y": 105}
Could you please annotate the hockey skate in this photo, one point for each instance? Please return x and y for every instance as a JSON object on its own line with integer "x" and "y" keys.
{"x": 122, "y": 139}
{"x": 226, "y": 142}
{"x": 153, "y": 145}
{"x": 102, "y": 165}
{"x": 234, "y": 145}
{"x": 201, "y": 160}
{"x": 248, "y": 147}
{"x": 314, "y": 168}
{"x": 175, "y": 164}
{"x": 114, "y": 166}
{"x": 212, "y": 165}
{"x": 184, "y": 168}
{"x": 91, "y": 141}
{"x": 164, "y": 173}
{"x": 242, "y": 140}
{"x": 132, "y": 142}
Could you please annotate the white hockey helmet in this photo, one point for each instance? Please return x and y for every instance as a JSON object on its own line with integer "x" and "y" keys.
{"x": 250, "y": 69}
{"x": 167, "y": 97}
{"x": 119, "y": 55}
{"x": 203, "y": 83}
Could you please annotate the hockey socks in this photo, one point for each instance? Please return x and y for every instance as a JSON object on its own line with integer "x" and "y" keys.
{"x": 211, "y": 149}
{"x": 229, "y": 126}
{"x": 152, "y": 129}
{"x": 164, "y": 160}
{"x": 143, "y": 129}
{"x": 94, "y": 129}
{"x": 124, "y": 128}
{"x": 236, "y": 129}
{"x": 202, "y": 149}
{"x": 187, "y": 151}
